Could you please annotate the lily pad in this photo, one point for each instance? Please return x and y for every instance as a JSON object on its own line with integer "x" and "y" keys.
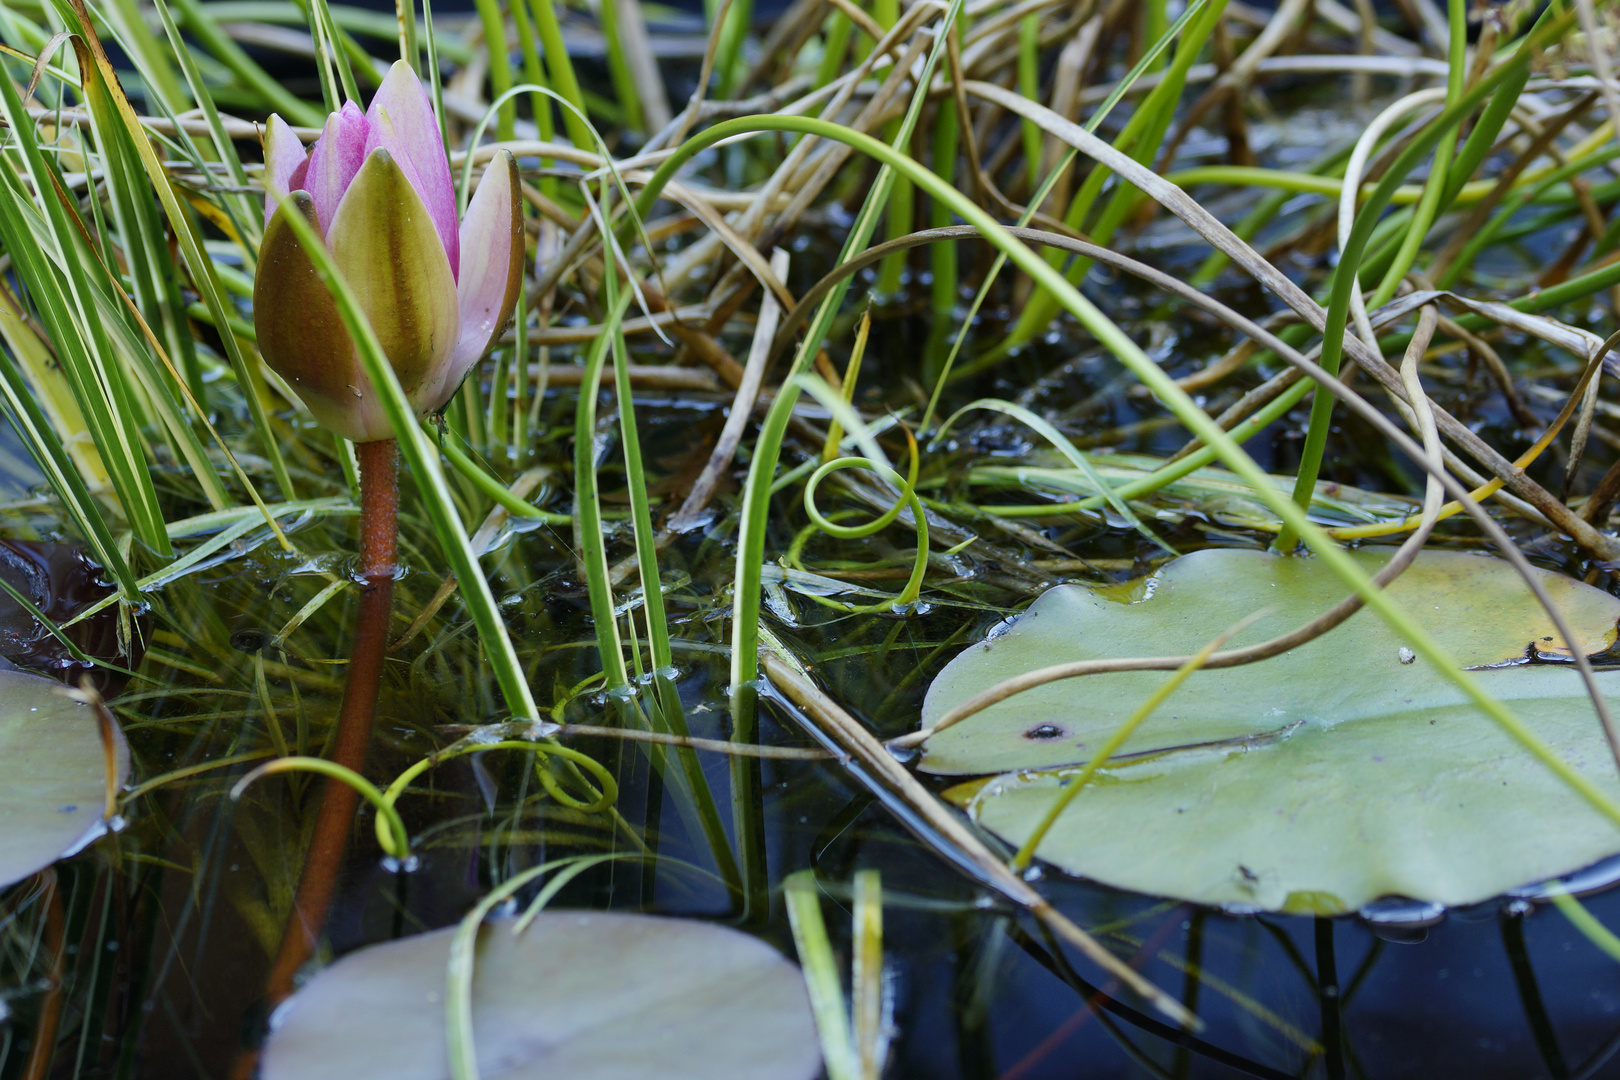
{"x": 53, "y": 774}
{"x": 583, "y": 995}
{"x": 1319, "y": 780}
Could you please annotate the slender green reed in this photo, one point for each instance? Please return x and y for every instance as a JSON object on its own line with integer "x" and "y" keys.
{"x": 500, "y": 63}
{"x": 821, "y": 979}
{"x": 1179, "y": 403}
{"x": 943, "y": 375}
{"x": 1141, "y": 138}
{"x": 107, "y": 102}
{"x": 63, "y": 291}
{"x": 1548, "y": 28}
{"x": 561, "y": 70}
{"x": 203, "y": 26}
{"x": 768, "y": 447}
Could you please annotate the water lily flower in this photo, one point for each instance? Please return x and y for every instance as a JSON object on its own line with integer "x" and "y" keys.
{"x": 377, "y": 187}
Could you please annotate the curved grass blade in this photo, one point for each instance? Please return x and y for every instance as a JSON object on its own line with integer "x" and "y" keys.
{"x": 1052, "y": 435}
{"x": 33, "y": 234}
{"x": 1175, "y": 398}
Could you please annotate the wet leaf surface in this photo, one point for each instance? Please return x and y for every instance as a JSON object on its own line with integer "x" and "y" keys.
{"x": 53, "y": 774}
{"x": 1322, "y": 779}
{"x": 584, "y": 995}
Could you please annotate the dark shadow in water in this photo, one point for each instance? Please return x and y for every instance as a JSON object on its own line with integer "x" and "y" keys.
{"x": 1524, "y": 977}
{"x": 1327, "y": 992}
{"x": 1051, "y": 957}
{"x": 61, "y": 581}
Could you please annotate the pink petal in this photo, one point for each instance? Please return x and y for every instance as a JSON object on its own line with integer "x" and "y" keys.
{"x": 401, "y": 120}
{"x": 284, "y": 156}
{"x": 337, "y": 156}
{"x": 492, "y": 237}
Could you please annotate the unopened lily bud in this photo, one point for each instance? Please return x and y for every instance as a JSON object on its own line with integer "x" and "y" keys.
{"x": 377, "y": 187}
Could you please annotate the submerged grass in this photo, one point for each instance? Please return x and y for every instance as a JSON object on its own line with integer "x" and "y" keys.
{"x": 130, "y": 216}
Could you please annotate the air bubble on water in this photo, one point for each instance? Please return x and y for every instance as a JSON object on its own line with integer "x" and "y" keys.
{"x": 1402, "y": 911}
{"x": 408, "y": 865}
{"x": 1033, "y": 873}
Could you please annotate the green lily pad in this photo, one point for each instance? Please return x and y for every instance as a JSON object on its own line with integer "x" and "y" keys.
{"x": 53, "y": 774}
{"x": 1476, "y": 606}
{"x": 583, "y": 995}
{"x": 1319, "y": 780}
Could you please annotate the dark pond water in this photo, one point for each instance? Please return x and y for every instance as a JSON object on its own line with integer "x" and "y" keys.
{"x": 169, "y": 927}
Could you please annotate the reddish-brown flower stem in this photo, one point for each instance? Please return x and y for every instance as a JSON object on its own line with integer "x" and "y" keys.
{"x": 50, "y": 1013}
{"x": 379, "y": 529}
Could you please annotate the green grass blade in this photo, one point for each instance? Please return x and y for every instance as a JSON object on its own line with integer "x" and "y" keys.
{"x": 1141, "y": 137}
{"x": 104, "y": 97}
{"x": 207, "y": 32}
{"x": 624, "y": 83}
{"x": 1179, "y": 403}
{"x": 1070, "y": 452}
{"x": 561, "y": 69}
{"x": 62, "y": 474}
{"x": 665, "y": 706}
{"x": 1547, "y": 29}
{"x": 62, "y": 287}
{"x": 500, "y": 63}
{"x": 1038, "y": 199}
